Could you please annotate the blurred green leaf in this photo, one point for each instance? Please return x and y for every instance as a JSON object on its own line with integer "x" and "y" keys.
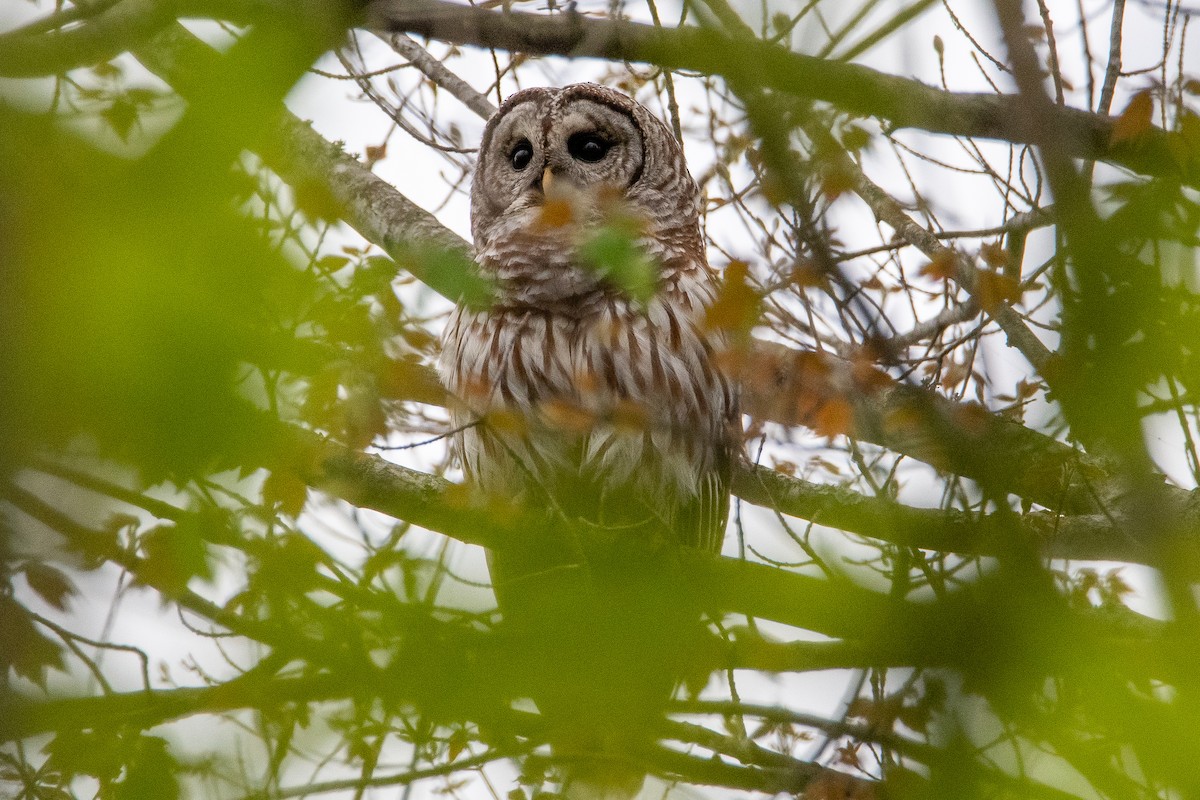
{"x": 452, "y": 272}
{"x": 150, "y": 772}
{"x": 25, "y": 650}
{"x": 50, "y": 584}
{"x": 173, "y": 555}
{"x": 613, "y": 251}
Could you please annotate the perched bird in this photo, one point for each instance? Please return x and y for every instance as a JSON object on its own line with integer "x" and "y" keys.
{"x": 591, "y": 387}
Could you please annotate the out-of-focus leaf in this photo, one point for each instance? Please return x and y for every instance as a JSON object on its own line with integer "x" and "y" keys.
{"x": 25, "y": 650}
{"x": 125, "y": 306}
{"x": 453, "y": 273}
{"x": 121, "y": 116}
{"x": 855, "y": 138}
{"x": 150, "y": 772}
{"x": 49, "y": 583}
{"x": 612, "y": 251}
{"x": 738, "y": 306}
{"x": 834, "y": 417}
{"x": 285, "y": 489}
{"x": 83, "y": 752}
{"x": 173, "y": 556}
{"x": 943, "y": 266}
{"x": 992, "y": 288}
{"x": 1135, "y": 120}
{"x": 994, "y": 255}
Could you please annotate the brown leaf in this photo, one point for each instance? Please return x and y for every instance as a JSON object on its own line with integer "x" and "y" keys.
{"x": 568, "y": 416}
{"x": 556, "y": 213}
{"x": 992, "y": 289}
{"x": 868, "y": 377}
{"x": 1027, "y": 389}
{"x": 834, "y": 417}
{"x": 736, "y": 309}
{"x": 1135, "y": 120}
{"x": 834, "y": 785}
{"x": 848, "y": 754}
{"x": 807, "y": 274}
{"x": 943, "y": 266}
{"x": 994, "y": 255}
{"x": 376, "y": 153}
{"x": 954, "y": 374}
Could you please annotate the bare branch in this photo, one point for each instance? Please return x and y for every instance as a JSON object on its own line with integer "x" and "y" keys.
{"x": 420, "y": 58}
{"x": 902, "y": 102}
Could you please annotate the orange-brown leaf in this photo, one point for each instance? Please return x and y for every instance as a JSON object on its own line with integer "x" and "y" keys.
{"x": 568, "y": 416}
{"x": 868, "y": 377}
{"x": 992, "y": 289}
{"x": 942, "y": 266}
{"x": 376, "y": 153}
{"x": 556, "y": 213}
{"x": 1135, "y": 120}
{"x": 736, "y": 308}
{"x": 834, "y": 417}
{"x": 994, "y": 255}
{"x": 834, "y": 785}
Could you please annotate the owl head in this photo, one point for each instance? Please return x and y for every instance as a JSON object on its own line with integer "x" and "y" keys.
{"x": 585, "y": 141}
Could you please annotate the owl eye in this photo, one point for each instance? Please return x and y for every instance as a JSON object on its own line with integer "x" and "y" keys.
{"x": 587, "y": 147}
{"x": 521, "y": 155}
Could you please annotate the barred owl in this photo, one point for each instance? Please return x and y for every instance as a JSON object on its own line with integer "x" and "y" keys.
{"x": 609, "y": 408}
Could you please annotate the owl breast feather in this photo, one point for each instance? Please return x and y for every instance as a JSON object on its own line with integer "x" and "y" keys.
{"x": 608, "y": 390}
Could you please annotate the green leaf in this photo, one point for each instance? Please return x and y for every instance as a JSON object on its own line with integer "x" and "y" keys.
{"x": 150, "y": 773}
{"x": 613, "y": 252}
{"x": 332, "y": 263}
{"x": 285, "y": 489}
{"x": 121, "y": 116}
{"x": 24, "y": 649}
{"x": 451, "y": 273}
{"x": 77, "y": 752}
{"x": 49, "y": 584}
{"x": 173, "y": 556}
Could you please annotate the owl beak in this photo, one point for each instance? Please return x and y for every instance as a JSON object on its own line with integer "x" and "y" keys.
{"x": 547, "y": 180}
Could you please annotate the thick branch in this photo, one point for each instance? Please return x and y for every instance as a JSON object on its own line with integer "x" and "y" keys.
{"x": 108, "y": 34}
{"x": 835, "y": 608}
{"x": 1092, "y": 537}
{"x": 902, "y": 102}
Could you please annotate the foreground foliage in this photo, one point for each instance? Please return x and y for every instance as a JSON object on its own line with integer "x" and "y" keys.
{"x": 204, "y": 402}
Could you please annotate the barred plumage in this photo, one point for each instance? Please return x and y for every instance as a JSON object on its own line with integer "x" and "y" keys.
{"x": 610, "y": 392}
{"x": 607, "y": 408}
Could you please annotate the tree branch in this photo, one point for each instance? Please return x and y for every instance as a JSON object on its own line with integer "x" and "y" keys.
{"x": 902, "y": 102}
{"x": 906, "y": 419}
{"x": 114, "y": 30}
